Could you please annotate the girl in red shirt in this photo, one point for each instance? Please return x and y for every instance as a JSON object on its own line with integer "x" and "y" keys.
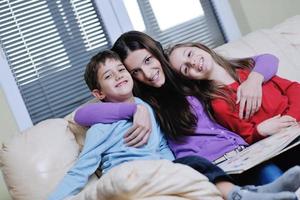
{"x": 219, "y": 79}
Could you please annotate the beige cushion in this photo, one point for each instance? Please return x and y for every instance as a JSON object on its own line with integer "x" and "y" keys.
{"x": 150, "y": 179}
{"x": 78, "y": 130}
{"x": 34, "y": 161}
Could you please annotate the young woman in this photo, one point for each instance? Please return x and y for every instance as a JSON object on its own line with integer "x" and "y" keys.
{"x": 190, "y": 132}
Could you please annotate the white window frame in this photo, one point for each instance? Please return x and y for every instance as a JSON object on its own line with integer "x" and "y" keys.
{"x": 117, "y": 21}
{"x": 115, "y": 17}
{"x": 227, "y": 19}
{"x": 13, "y": 95}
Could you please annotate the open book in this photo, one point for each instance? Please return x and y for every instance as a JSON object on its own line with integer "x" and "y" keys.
{"x": 262, "y": 150}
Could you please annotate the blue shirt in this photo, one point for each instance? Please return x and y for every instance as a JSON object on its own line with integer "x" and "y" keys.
{"x": 104, "y": 146}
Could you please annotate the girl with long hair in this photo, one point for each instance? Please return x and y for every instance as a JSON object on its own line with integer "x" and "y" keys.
{"x": 217, "y": 79}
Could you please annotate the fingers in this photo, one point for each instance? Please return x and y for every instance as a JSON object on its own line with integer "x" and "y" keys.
{"x": 254, "y": 108}
{"x": 287, "y": 124}
{"x": 143, "y": 141}
{"x": 259, "y": 100}
{"x": 288, "y": 121}
{"x": 135, "y": 137}
{"x": 288, "y": 118}
{"x": 238, "y": 95}
{"x": 130, "y": 131}
{"x": 242, "y": 107}
{"x": 249, "y": 108}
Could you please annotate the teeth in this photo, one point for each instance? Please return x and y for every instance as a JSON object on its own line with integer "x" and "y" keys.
{"x": 155, "y": 77}
{"x": 121, "y": 83}
{"x": 201, "y": 63}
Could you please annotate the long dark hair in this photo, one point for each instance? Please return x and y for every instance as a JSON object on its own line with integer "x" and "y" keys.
{"x": 207, "y": 90}
{"x": 169, "y": 101}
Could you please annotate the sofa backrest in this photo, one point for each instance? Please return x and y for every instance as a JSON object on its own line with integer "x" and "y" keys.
{"x": 282, "y": 40}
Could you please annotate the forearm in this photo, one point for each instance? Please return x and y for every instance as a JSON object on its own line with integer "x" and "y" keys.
{"x": 266, "y": 65}
{"x": 104, "y": 113}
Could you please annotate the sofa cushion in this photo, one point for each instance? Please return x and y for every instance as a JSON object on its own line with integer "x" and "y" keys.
{"x": 78, "y": 130}
{"x": 34, "y": 161}
{"x": 150, "y": 179}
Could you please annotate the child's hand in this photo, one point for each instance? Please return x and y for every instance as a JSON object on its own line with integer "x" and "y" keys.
{"x": 139, "y": 133}
{"x": 275, "y": 124}
{"x": 249, "y": 95}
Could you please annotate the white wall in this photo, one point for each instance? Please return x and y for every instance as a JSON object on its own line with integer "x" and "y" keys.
{"x": 257, "y": 14}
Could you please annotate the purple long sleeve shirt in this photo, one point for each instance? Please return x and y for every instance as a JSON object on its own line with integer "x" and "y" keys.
{"x": 210, "y": 140}
{"x": 104, "y": 113}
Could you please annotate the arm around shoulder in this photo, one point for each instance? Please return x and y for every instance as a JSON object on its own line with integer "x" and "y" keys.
{"x": 104, "y": 113}
{"x": 266, "y": 65}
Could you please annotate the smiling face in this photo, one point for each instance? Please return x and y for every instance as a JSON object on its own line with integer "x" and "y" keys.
{"x": 144, "y": 67}
{"x": 115, "y": 82}
{"x": 192, "y": 62}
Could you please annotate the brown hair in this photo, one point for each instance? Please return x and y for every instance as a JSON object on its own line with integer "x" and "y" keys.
{"x": 207, "y": 90}
{"x": 91, "y": 70}
{"x": 170, "y": 104}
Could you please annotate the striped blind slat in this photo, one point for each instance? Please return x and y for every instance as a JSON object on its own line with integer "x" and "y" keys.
{"x": 47, "y": 45}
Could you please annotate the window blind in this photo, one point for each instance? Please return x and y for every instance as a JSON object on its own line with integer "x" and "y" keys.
{"x": 204, "y": 29}
{"x": 47, "y": 44}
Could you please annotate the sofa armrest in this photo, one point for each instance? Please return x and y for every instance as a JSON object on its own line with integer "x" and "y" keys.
{"x": 34, "y": 161}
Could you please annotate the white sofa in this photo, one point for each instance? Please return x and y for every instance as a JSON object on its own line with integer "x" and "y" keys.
{"x": 283, "y": 40}
{"x": 34, "y": 161}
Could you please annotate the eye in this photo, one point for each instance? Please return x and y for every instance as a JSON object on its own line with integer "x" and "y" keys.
{"x": 189, "y": 54}
{"x": 107, "y": 76}
{"x": 147, "y": 60}
{"x": 135, "y": 72}
{"x": 122, "y": 69}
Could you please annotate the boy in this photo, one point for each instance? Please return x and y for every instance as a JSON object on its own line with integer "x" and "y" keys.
{"x": 109, "y": 81}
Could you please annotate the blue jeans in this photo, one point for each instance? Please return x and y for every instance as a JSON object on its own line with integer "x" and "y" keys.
{"x": 259, "y": 175}
{"x": 262, "y": 174}
{"x": 205, "y": 167}
{"x": 268, "y": 173}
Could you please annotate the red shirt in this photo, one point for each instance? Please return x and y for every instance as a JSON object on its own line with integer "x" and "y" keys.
{"x": 280, "y": 96}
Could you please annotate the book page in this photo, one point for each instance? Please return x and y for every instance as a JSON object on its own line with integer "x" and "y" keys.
{"x": 261, "y": 151}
